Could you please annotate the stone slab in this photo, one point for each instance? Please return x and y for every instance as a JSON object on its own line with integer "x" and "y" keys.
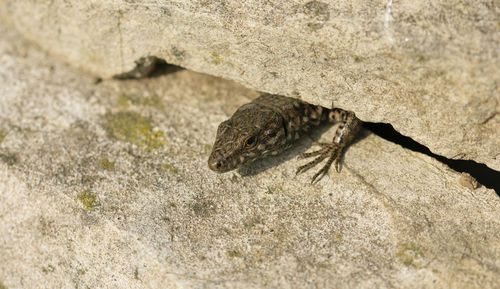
{"x": 429, "y": 68}
{"x": 105, "y": 185}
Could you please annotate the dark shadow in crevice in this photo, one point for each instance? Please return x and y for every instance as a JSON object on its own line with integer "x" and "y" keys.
{"x": 149, "y": 66}
{"x": 482, "y": 173}
{"x": 164, "y": 68}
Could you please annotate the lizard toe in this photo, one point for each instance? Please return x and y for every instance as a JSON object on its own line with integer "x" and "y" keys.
{"x": 332, "y": 151}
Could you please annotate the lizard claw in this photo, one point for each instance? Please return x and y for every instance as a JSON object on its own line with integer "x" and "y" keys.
{"x": 331, "y": 151}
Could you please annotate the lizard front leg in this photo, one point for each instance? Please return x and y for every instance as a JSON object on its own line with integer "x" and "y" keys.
{"x": 344, "y": 135}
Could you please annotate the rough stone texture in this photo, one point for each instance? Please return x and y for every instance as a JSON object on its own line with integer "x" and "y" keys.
{"x": 105, "y": 185}
{"x": 430, "y": 68}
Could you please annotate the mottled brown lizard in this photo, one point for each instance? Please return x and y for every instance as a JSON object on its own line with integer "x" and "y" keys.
{"x": 272, "y": 123}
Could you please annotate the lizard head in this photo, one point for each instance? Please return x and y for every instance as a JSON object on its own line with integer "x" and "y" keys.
{"x": 248, "y": 135}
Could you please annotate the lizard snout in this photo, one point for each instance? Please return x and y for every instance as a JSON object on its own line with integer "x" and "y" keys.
{"x": 216, "y": 163}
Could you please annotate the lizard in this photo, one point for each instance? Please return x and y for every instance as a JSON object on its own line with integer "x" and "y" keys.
{"x": 272, "y": 123}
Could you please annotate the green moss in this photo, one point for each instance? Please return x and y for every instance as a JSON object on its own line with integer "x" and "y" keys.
{"x": 152, "y": 101}
{"x": 48, "y": 269}
{"x": 9, "y": 159}
{"x": 338, "y": 236}
{"x": 356, "y": 58}
{"x": 107, "y": 165}
{"x": 171, "y": 169}
{"x": 125, "y": 100}
{"x": 422, "y": 58}
{"x": 206, "y": 149}
{"x": 2, "y": 136}
{"x": 88, "y": 200}
{"x": 274, "y": 74}
{"x": 408, "y": 253}
{"x": 133, "y": 128}
{"x": 233, "y": 253}
{"x": 216, "y": 58}
{"x": 2, "y": 286}
{"x": 155, "y": 140}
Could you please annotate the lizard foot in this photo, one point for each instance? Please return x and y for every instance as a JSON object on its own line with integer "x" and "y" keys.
{"x": 332, "y": 151}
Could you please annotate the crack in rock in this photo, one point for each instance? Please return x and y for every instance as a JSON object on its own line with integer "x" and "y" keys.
{"x": 480, "y": 172}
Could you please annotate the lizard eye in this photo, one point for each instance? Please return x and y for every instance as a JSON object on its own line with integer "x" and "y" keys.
{"x": 272, "y": 134}
{"x": 250, "y": 141}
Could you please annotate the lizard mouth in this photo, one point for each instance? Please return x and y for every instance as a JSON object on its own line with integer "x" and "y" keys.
{"x": 217, "y": 163}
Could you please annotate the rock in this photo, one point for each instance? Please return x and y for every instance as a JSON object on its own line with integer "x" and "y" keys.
{"x": 107, "y": 186}
{"x": 429, "y": 69}
{"x": 468, "y": 181}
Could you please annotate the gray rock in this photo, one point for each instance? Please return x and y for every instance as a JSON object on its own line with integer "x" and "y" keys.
{"x": 429, "y": 69}
{"x": 107, "y": 187}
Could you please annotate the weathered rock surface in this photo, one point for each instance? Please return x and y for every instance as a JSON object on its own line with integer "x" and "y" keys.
{"x": 105, "y": 185}
{"x": 430, "y": 68}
